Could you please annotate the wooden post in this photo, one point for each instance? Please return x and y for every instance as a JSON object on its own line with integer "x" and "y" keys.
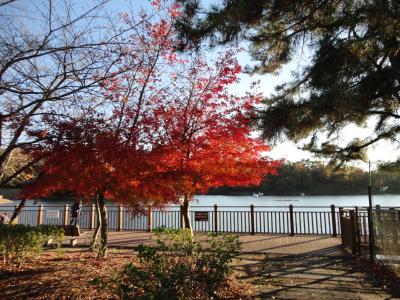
{"x": 181, "y": 216}
{"x": 92, "y": 211}
{"x": 333, "y": 216}
{"x": 40, "y": 215}
{"x": 66, "y": 209}
{"x": 371, "y": 235}
{"x": 149, "y": 220}
{"x": 252, "y": 223}
{"x": 120, "y": 217}
{"x": 216, "y": 218}
{"x": 353, "y": 232}
{"x": 291, "y": 217}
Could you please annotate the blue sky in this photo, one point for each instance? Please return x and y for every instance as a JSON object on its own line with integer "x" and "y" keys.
{"x": 287, "y": 150}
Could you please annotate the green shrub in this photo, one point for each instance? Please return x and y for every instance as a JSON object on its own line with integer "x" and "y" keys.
{"x": 17, "y": 241}
{"x": 179, "y": 268}
{"x": 54, "y": 233}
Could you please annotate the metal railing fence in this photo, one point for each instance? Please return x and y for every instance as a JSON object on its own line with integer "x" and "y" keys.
{"x": 312, "y": 220}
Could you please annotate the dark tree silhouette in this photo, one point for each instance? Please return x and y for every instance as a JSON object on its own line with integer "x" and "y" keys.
{"x": 352, "y": 76}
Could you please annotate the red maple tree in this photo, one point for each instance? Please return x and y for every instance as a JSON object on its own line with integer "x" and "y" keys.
{"x": 167, "y": 127}
{"x": 207, "y": 133}
{"x": 92, "y": 163}
{"x": 109, "y": 150}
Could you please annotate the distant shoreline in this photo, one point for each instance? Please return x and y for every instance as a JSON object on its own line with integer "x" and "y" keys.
{"x": 10, "y": 193}
{"x": 300, "y": 194}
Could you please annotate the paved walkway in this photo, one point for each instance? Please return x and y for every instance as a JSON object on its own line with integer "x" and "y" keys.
{"x": 312, "y": 275}
{"x": 284, "y": 267}
{"x": 281, "y": 244}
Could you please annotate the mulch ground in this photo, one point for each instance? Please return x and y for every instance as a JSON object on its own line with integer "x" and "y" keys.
{"x": 78, "y": 274}
{"x": 330, "y": 274}
{"x": 58, "y": 275}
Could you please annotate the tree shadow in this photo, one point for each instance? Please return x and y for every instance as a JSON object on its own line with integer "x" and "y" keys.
{"x": 328, "y": 272}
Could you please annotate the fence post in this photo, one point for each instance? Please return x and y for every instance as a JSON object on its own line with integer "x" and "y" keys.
{"x": 215, "y": 217}
{"x": 291, "y": 220}
{"x": 40, "y": 215}
{"x": 341, "y": 224}
{"x": 398, "y": 214}
{"x": 392, "y": 219}
{"x": 252, "y": 223}
{"x": 149, "y": 219}
{"x": 66, "y": 209}
{"x": 371, "y": 235}
{"x": 16, "y": 219}
{"x": 92, "y": 210}
{"x": 358, "y": 237}
{"x": 120, "y": 217}
{"x": 378, "y": 222}
{"x": 333, "y": 216}
{"x": 353, "y": 232}
{"x": 181, "y": 216}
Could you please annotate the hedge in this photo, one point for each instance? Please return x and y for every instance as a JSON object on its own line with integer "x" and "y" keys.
{"x": 18, "y": 241}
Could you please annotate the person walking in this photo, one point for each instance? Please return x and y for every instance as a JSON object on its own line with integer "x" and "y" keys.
{"x": 75, "y": 212}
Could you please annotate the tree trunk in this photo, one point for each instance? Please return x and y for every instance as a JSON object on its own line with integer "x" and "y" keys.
{"x": 93, "y": 243}
{"x": 185, "y": 213}
{"x": 17, "y": 211}
{"x": 103, "y": 226}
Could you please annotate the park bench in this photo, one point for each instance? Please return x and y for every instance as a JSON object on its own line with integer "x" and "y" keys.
{"x": 73, "y": 231}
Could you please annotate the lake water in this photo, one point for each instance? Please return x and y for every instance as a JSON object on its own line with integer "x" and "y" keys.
{"x": 345, "y": 200}
{"x": 312, "y": 214}
{"x": 299, "y": 201}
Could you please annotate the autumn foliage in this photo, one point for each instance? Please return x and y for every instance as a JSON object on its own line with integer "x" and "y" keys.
{"x": 208, "y": 136}
{"x": 167, "y": 126}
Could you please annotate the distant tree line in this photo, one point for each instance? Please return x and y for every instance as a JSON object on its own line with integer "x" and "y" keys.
{"x": 294, "y": 178}
{"x": 318, "y": 178}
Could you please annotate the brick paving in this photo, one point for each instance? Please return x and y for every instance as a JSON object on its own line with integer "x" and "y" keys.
{"x": 285, "y": 267}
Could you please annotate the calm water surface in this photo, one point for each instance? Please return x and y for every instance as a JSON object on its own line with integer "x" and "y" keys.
{"x": 302, "y": 201}
{"x": 359, "y": 200}
{"x": 312, "y": 213}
